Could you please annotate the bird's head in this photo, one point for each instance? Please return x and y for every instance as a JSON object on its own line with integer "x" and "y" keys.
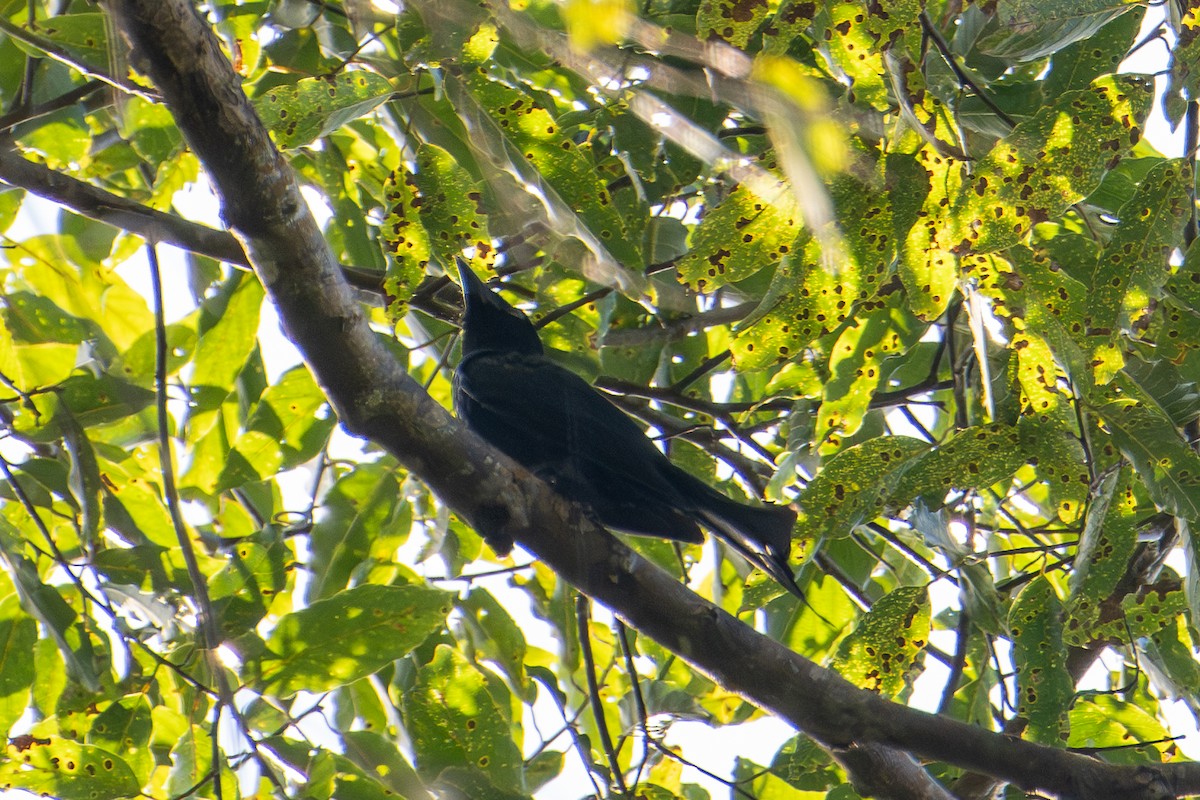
{"x": 489, "y": 323}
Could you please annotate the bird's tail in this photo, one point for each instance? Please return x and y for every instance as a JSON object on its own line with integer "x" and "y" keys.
{"x": 761, "y": 534}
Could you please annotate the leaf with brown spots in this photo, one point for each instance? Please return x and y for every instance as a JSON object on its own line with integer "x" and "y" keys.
{"x": 1183, "y": 79}
{"x": 1105, "y": 547}
{"x": 455, "y": 721}
{"x": 883, "y": 651}
{"x": 855, "y": 486}
{"x": 406, "y": 242}
{"x": 1166, "y": 463}
{"x": 791, "y": 20}
{"x": 856, "y": 368}
{"x": 68, "y": 770}
{"x": 299, "y": 113}
{"x": 1134, "y": 265}
{"x": 813, "y": 292}
{"x": 451, "y": 208}
{"x": 740, "y": 236}
{"x": 858, "y": 32}
{"x": 1044, "y": 688}
{"x": 536, "y": 136}
{"x": 730, "y": 21}
{"x": 1076, "y": 66}
{"x": 1054, "y": 159}
{"x": 927, "y": 266}
{"x": 974, "y": 458}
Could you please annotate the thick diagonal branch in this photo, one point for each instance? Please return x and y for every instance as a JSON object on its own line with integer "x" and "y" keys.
{"x": 375, "y": 398}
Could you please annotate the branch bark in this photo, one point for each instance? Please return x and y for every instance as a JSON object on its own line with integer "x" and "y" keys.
{"x": 376, "y": 399}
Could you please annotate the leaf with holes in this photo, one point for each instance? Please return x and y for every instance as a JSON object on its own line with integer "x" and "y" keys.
{"x": 1044, "y": 688}
{"x": 303, "y": 112}
{"x": 811, "y": 292}
{"x": 857, "y": 32}
{"x": 927, "y": 266}
{"x": 67, "y": 770}
{"x": 450, "y": 208}
{"x": 855, "y": 368}
{"x": 406, "y": 241}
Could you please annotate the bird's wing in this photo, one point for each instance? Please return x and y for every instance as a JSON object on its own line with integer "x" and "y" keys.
{"x": 546, "y": 414}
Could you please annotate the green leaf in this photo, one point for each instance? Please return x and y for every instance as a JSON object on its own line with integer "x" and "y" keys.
{"x": 856, "y": 485}
{"x": 246, "y": 586}
{"x": 856, "y": 369}
{"x": 1078, "y": 64}
{"x": 882, "y": 651}
{"x": 1044, "y": 687}
{"x": 733, "y": 21}
{"x": 1145, "y": 435}
{"x": 18, "y": 633}
{"x": 228, "y": 332}
{"x": 68, "y": 770}
{"x": 377, "y": 754}
{"x": 289, "y": 425}
{"x": 1106, "y": 721}
{"x": 501, "y": 640}
{"x": 1047, "y": 163}
{"x": 455, "y": 722}
{"x": 346, "y": 637}
{"x": 124, "y": 728}
{"x": 1030, "y": 30}
{"x": 314, "y": 107}
{"x": 357, "y": 510}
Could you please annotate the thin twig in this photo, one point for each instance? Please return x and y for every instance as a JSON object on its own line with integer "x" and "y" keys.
{"x": 589, "y": 666}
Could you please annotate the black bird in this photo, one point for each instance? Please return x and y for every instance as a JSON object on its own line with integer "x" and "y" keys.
{"x": 557, "y": 426}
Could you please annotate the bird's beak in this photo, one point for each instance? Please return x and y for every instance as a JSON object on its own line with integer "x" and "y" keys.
{"x": 473, "y": 289}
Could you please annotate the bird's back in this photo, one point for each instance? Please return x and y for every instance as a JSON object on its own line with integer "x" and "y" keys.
{"x": 555, "y": 424}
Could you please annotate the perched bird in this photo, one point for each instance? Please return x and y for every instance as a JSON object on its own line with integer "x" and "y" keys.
{"x": 558, "y": 427}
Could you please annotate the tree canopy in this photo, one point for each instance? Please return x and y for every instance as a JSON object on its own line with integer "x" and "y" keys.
{"x": 912, "y": 267}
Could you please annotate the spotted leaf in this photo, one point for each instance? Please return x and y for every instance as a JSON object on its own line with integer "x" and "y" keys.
{"x": 352, "y": 634}
{"x": 1044, "y": 687}
{"x": 299, "y": 113}
{"x": 882, "y": 651}
{"x": 454, "y": 721}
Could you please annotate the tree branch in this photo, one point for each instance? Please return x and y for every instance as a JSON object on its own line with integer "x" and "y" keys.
{"x": 377, "y": 399}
